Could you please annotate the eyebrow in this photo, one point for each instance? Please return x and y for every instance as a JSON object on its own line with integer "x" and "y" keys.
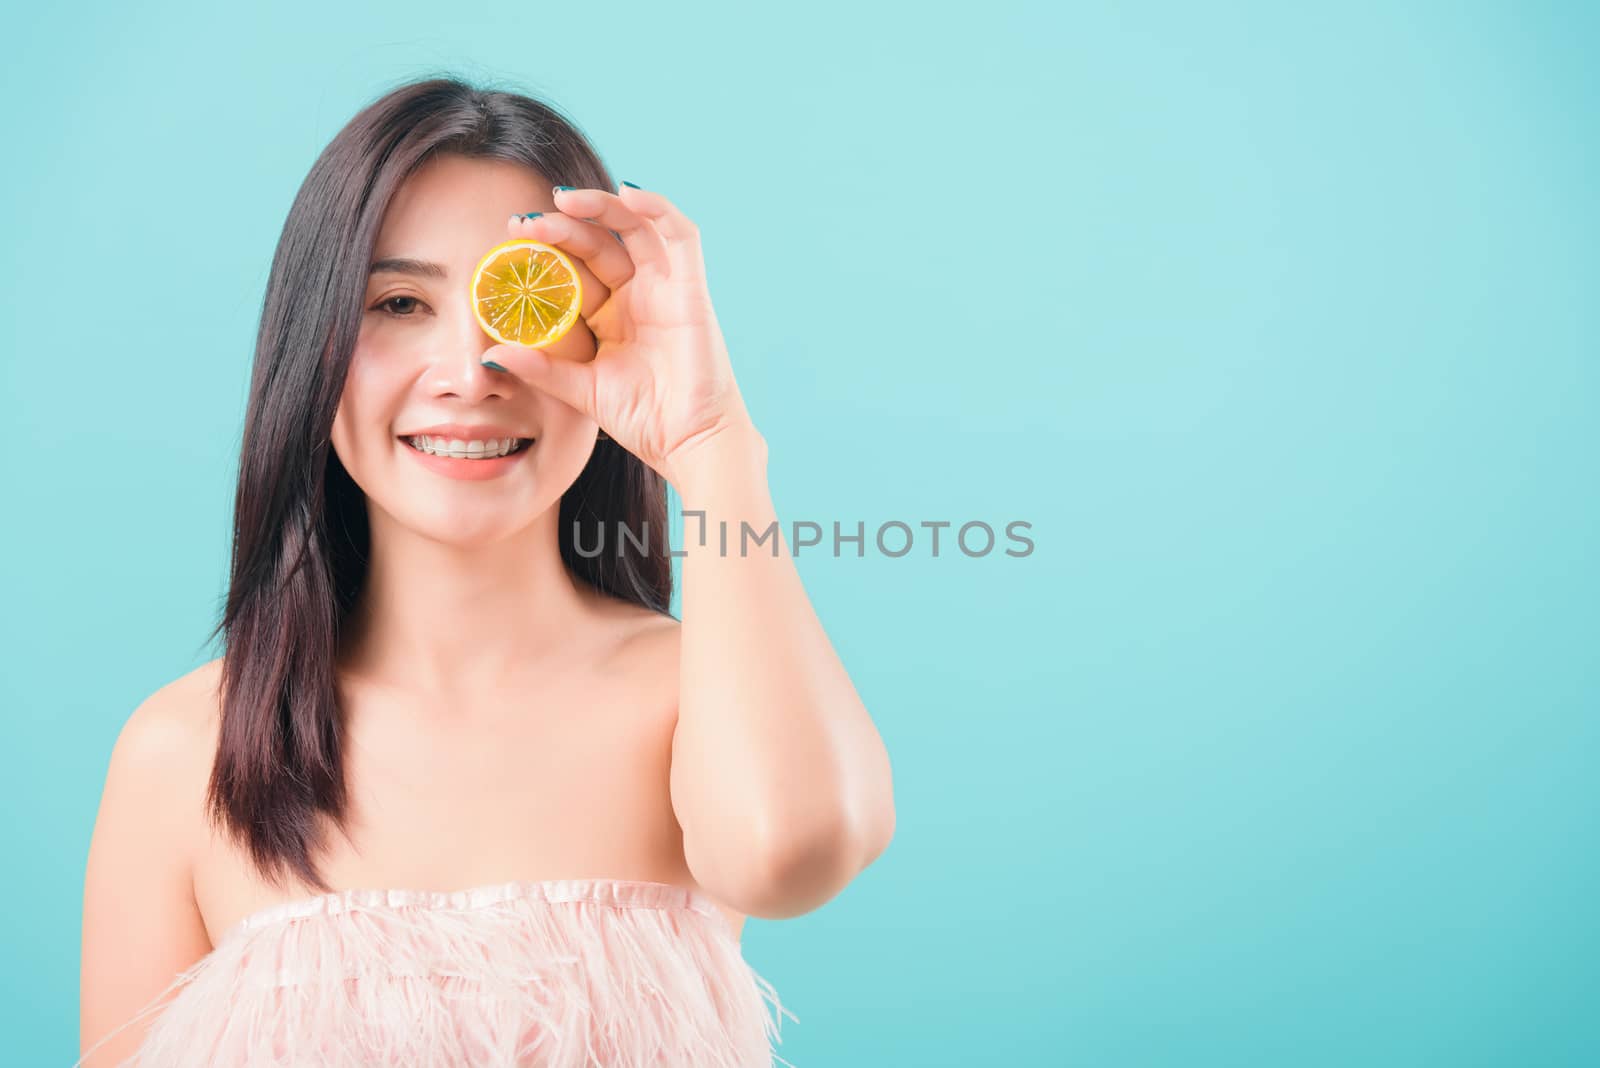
{"x": 403, "y": 265}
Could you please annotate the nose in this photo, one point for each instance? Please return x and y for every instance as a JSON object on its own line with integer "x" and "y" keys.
{"x": 457, "y": 365}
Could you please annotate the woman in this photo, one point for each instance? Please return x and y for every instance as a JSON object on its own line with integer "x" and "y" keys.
{"x": 461, "y": 790}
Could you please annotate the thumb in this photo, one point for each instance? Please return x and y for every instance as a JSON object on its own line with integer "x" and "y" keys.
{"x": 566, "y": 380}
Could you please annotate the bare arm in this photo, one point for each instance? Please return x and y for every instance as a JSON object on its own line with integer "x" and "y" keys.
{"x": 779, "y": 778}
{"x": 141, "y": 926}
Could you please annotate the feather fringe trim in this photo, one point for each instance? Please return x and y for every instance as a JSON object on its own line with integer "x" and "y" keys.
{"x": 566, "y": 973}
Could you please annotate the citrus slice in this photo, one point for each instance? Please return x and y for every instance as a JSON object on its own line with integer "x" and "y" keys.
{"x": 526, "y": 293}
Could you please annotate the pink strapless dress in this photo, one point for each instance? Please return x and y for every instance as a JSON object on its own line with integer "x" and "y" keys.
{"x": 566, "y": 973}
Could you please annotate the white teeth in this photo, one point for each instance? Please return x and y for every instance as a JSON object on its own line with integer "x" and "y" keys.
{"x": 471, "y": 450}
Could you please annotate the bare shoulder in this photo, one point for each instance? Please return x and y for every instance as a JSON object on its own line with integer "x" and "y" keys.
{"x": 163, "y": 753}
{"x": 172, "y": 731}
{"x": 641, "y": 645}
{"x": 141, "y": 924}
{"x": 647, "y": 654}
{"x": 644, "y": 661}
{"x": 651, "y": 634}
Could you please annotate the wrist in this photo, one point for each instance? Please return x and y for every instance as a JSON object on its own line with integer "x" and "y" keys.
{"x": 726, "y": 455}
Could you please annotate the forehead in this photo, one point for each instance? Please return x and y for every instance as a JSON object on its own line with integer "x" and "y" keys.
{"x": 452, "y": 207}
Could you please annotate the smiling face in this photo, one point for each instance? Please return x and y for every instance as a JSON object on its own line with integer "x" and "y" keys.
{"x": 417, "y": 365}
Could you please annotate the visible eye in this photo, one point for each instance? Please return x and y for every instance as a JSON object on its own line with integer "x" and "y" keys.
{"x": 386, "y": 308}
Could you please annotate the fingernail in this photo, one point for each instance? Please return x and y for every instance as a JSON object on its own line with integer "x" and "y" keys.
{"x": 563, "y": 188}
{"x": 533, "y": 214}
{"x": 491, "y": 363}
{"x": 630, "y": 185}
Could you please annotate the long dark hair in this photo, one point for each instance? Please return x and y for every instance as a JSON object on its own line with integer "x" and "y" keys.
{"x": 300, "y": 541}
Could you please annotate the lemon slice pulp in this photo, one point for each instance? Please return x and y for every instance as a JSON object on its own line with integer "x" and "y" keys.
{"x": 526, "y": 293}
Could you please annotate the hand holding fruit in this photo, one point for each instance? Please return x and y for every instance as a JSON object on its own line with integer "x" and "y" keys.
{"x": 660, "y": 383}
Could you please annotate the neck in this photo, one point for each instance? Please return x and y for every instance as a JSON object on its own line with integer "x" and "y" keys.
{"x": 447, "y": 618}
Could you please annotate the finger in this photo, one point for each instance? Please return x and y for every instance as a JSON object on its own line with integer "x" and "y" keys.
{"x": 577, "y": 345}
{"x": 568, "y": 381}
{"x": 681, "y": 235}
{"x": 602, "y": 263}
{"x": 644, "y": 244}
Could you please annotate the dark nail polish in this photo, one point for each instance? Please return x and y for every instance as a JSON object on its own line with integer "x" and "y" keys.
{"x": 563, "y": 188}
{"x": 630, "y": 185}
{"x": 533, "y": 214}
{"x": 491, "y": 363}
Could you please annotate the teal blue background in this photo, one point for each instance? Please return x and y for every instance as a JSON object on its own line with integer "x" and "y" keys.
{"x": 1279, "y": 327}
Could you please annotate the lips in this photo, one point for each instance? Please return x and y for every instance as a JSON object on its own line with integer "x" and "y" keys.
{"x": 468, "y": 431}
{"x": 469, "y": 468}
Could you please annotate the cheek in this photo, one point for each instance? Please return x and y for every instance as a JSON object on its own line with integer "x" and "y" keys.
{"x": 372, "y": 386}
{"x": 564, "y": 426}
{"x": 567, "y": 439}
{"x": 377, "y": 373}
